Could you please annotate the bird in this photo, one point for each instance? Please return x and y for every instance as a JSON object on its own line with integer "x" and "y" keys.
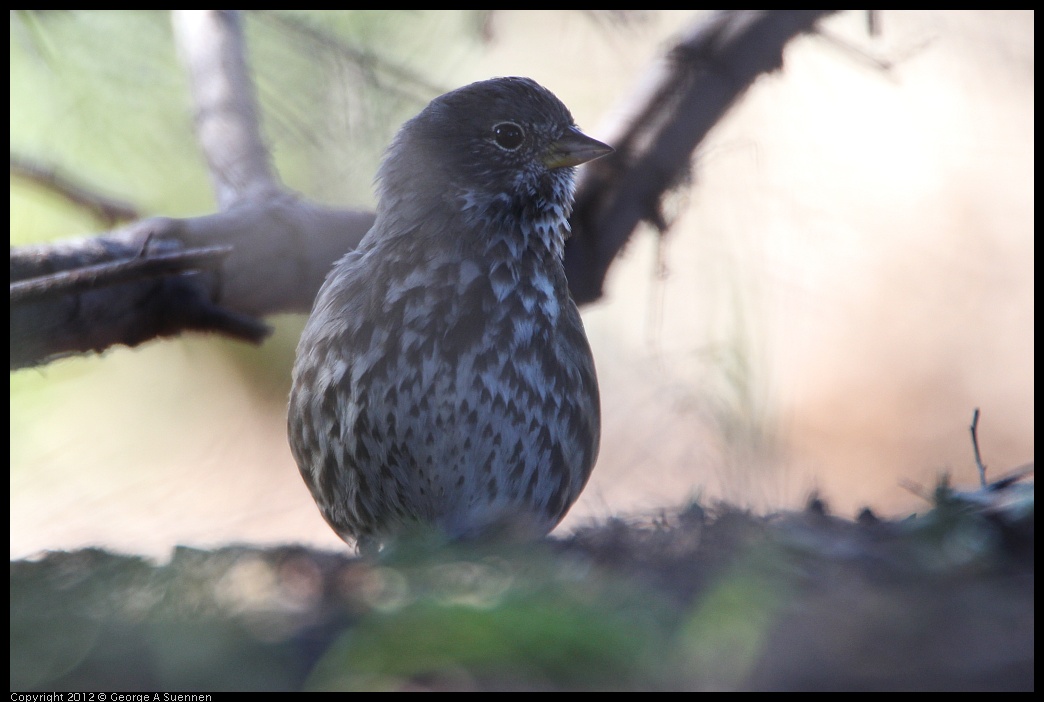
{"x": 444, "y": 379}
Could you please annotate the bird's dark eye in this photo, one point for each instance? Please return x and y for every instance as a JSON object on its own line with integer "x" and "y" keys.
{"x": 508, "y": 135}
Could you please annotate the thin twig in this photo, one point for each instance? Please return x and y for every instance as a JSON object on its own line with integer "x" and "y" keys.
{"x": 915, "y": 489}
{"x": 370, "y": 64}
{"x": 975, "y": 445}
{"x": 107, "y": 210}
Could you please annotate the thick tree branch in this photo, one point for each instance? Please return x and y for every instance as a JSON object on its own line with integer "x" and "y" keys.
{"x": 700, "y": 80}
{"x": 210, "y": 44}
{"x": 281, "y": 250}
{"x": 91, "y": 294}
{"x": 86, "y": 277}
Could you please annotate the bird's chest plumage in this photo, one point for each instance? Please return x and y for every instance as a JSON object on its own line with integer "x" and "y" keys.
{"x": 461, "y": 400}
{"x": 466, "y": 339}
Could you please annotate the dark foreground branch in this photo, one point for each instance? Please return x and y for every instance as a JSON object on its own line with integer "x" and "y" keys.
{"x": 158, "y": 277}
{"x": 702, "y": 77}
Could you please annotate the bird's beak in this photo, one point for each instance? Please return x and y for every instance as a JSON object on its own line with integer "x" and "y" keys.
{"x": 573, "y": 148}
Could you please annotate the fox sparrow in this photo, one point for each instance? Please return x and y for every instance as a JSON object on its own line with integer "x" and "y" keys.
{"x": 444, "y": 378}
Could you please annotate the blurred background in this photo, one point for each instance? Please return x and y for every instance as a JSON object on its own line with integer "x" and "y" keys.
{"x": 848, "y": 275}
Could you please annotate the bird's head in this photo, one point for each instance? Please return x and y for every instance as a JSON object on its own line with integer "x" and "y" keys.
{"x": 501, "y": 151}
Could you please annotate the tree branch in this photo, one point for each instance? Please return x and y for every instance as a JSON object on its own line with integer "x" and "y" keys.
{"x": 107, "y": 210}
{"x": 702, "y": 77}
{"x": 91, "y": 294}
{"x": 210, "y": 44}
{"x": 91, "y": 277}
{"x": 377, "y": 71}
{"x": 281, "y": 250}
